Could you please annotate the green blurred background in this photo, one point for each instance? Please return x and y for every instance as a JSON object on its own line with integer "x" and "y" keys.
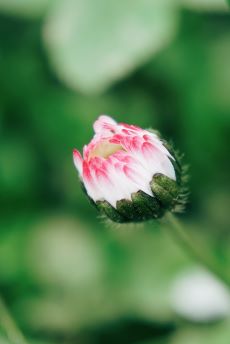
{"x": 66, "y": 276}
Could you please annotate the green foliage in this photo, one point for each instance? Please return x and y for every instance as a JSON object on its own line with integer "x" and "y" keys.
{"x": 205, "y": 5}
{"x": 113, "y": 45}
{"x": 219, "y": 333}
{"x": 66, "y": 277}
{"x": 25, "y": 8}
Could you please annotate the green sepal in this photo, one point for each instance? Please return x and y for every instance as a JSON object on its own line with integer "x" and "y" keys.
{"x": 105, "y": 208}
{"x": 165, "y": 189}
{"x": 128, "y": 210}
{"x": 138, "y": 210}
{"x": 142, "y": 207}
{"x": 147, "y": 206}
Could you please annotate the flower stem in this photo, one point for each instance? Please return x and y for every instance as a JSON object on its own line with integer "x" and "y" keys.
{"x": 9, "y": 326}
{"x": 199, "y": 253}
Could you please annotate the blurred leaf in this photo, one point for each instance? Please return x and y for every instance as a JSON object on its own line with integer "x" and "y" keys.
{"x": 131, "y": 330}
{"x": 17, "y": 168}
{"x": 200, "y": 106}
{"x": 90, "y": 49}
{"x": 65, "y": 276}
{"x": 37, "y": 341}
{"x": 212, "y": 334}
{"x": 61, "y": 274}
{"x": 3, "y": 339}
{"x": 206, "y": 5}
{"x": 71, "y": 256}
{"x": 24, "y": 8}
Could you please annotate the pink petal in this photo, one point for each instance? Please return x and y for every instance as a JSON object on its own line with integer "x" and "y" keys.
{"x": 104, "y": 123}
{"x": 148, "y": 148}
{"x": 87, "y": 177}
{"x": 97, "y": 163}
{"x": 137, "y": 142}
{"x": 117, "y": 138}
{"x": 131, "y": 127}
{"x": 147, "y": 137}
{"x": 88, "y": 148}
{"x": 122, "y": 156}
{"x": 91, "y": 186}
{"x": 78, "y": 161}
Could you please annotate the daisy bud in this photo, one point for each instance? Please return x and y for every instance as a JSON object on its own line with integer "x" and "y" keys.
{"x": 128, "y": 172}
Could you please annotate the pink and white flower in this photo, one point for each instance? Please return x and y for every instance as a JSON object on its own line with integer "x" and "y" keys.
{"x": 121, "y": 160}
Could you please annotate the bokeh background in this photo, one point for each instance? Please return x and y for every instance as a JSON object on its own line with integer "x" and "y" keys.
{"x": 66, "y": 276}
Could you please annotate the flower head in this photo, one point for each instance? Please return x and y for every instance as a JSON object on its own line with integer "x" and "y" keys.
{"x": 128, "y": 172}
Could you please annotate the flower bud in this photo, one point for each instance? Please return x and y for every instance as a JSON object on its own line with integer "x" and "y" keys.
{"x": 129, "y": 173}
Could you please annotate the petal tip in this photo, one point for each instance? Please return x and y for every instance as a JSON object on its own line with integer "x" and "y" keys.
{"x": 77, "y": 158}
{"x": 103, "y": 122}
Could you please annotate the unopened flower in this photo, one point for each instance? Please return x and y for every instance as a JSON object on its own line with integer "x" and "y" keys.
{"x": 128, "y": 172}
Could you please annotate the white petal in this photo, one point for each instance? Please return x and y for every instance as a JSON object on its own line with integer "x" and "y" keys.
{"x": 103, "y": 123}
